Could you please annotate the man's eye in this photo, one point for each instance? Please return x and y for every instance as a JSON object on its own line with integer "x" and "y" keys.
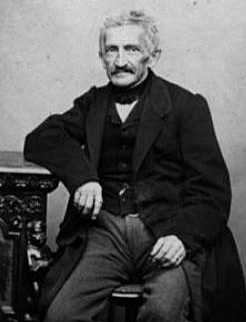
{"x": 111, "y": 49}
{"x": 132, "y": 49}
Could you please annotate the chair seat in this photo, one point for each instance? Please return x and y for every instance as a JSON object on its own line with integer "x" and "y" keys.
{"x": 128, "y": 291}
{"x": 127, "y": 297}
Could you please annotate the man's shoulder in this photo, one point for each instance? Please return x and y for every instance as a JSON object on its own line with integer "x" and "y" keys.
{"x": 181, "y": 99}
{"x": 91, "y": 93}
{"x": 176, "y": 92}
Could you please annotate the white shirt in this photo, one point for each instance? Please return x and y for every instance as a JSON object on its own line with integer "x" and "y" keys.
{"x": 124, "y": 110}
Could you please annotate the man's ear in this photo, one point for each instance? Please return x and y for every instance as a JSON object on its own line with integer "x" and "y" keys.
{"x": 154, "y": 58}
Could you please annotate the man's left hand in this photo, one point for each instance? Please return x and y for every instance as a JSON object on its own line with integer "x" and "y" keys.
{"x": 168, "y": 251}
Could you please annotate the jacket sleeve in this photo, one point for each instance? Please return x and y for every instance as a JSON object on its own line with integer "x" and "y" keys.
{"x": 57, "y": 144}
{"x": 206, "y": 194}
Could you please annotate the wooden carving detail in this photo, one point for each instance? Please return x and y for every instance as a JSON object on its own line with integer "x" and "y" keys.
{"x": 14, "y": 209}
{"x": 12, "y": 280}
{"x": 30, "y": 182}
{"x": 4, "y": 263}
{"x": 19, "y": 204}
{"x": 24, "y": 255}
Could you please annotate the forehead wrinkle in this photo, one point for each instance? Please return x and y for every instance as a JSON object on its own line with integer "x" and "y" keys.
{"x": 139, "y": 41}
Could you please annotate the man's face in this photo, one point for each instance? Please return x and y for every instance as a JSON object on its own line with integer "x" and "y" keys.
{"x": 125, "y": 57}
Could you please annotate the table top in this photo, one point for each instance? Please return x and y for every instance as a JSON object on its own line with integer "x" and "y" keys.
{"x": 13, "y": 162}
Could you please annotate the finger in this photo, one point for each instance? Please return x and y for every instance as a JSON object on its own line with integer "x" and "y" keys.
{"x": 96, "y": 210}
{"x": 170, "y": 264}
{"x": 97, "y": 207}
{"x": 76, "y": 197}
{"x": 81, "y": 202}
{"x": 157, "y": 247}
{"x": 172, "y": 260}
{"x": 181, "y": 258}
{"x": 98, "y": 202}
{"x": 176, "y": 259}
{"x": 173, "y": 251}
{"x": 166, "y": 264}
{"x": 88, "y": 204}
{"x": 163, "y": 251}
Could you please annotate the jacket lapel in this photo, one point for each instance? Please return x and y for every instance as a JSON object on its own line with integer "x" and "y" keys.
{"x": 95, "y": 123}
{"x": 156, "y": 106}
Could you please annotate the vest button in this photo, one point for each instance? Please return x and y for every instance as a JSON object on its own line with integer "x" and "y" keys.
{"x": 122, "y": 165}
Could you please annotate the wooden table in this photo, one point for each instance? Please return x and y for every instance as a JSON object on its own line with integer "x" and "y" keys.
{"x": 23, "y": 252}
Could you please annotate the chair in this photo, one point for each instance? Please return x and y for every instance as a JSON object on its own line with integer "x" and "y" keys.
{"x": 124, "y": 303}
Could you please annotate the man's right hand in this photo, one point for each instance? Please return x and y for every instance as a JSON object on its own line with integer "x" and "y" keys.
{"x": 88, "y": 199}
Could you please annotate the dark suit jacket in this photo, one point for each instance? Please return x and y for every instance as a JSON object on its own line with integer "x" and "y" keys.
{"x": 181, "y": 184}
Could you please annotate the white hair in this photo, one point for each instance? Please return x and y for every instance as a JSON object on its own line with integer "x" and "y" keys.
{"x": 132, "y": 18}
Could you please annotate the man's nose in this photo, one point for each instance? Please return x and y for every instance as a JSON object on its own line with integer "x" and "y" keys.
{"x": 121, "y": 59}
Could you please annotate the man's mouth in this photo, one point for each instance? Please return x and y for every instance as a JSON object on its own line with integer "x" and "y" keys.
{"x": 122, "y": 71}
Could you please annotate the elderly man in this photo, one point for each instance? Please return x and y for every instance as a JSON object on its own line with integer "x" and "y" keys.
{"x": 150, "y": 193}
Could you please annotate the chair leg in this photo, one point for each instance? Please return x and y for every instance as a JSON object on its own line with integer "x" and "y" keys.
{"x": 131, "y": 311}
{"x": 124, "y": 303}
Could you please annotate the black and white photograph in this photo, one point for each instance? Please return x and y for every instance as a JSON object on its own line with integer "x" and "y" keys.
{"x": 122, "y": 161}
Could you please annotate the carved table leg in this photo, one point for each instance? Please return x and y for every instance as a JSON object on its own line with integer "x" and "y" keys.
{"x": 24, "y": 255}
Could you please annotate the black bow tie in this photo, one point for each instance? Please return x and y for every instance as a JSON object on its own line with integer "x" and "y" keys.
{"x": 125, "y": 97}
